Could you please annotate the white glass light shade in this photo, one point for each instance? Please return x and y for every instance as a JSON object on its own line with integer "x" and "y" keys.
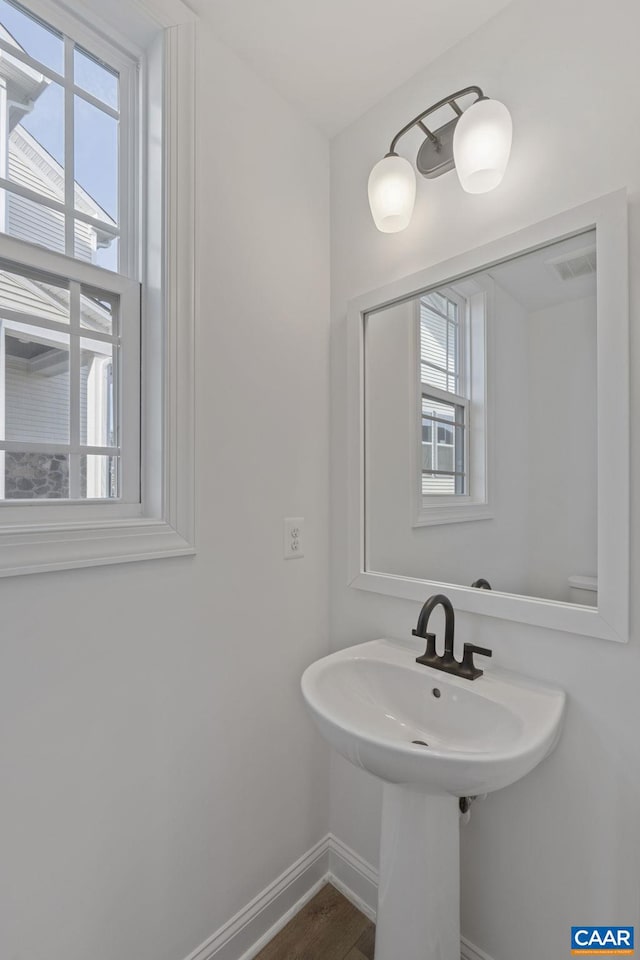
{"x": 481, "y": 145}
{"x": 392, "y": 194}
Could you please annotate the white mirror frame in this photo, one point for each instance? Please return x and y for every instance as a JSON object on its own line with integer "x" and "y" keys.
{"x": 610, "y": 620}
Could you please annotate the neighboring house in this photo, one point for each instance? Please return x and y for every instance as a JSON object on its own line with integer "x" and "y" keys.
{"x": 34, "y": 362}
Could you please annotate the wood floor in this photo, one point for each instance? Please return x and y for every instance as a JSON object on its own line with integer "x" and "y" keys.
{"x": 327, "y": 928}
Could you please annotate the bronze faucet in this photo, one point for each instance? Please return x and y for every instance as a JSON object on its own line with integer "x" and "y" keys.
{"x": 447, "y": 662}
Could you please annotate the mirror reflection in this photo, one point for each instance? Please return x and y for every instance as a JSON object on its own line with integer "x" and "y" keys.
{"x": 480, "y": 428}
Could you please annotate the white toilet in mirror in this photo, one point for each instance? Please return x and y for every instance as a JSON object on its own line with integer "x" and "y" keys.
{"x": 583, "y": 590}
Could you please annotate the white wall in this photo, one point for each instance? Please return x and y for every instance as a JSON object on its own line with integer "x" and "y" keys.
{"x": 563, "y": 845}
{"x": 158, "y": 768}
{"x": 563, "y": 468}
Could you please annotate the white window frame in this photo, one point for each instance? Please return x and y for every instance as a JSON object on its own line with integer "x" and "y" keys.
{"x": 40, "y": 536}
{"x": 430, "y": 510}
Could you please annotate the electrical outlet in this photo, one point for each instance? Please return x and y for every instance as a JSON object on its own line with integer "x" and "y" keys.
{"x": 293, "y": 538}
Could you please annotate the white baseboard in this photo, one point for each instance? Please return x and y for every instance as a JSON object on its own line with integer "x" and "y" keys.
{"x": 468, "y": 951}
{"x": 242, "y": 937}
{"x": 353, "y": 877}
{"x": 329, "y": 861}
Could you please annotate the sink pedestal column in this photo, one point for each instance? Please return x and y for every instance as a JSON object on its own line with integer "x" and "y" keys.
{"x": 419, "y": 890}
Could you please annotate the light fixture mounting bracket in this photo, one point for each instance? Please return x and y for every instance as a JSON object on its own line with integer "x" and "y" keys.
{"x": 435, "y": 156}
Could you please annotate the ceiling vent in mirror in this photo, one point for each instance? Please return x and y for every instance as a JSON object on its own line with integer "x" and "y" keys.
{"x": 574, "y": 264}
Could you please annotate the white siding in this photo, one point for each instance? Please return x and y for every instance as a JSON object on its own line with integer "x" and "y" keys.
{"x": 37, "y": 406}
{"x": 31, "y": 221}
{"x": 85, "y": 242}
{"x": 34, "y": 223}
{"x": 27, "y": 174}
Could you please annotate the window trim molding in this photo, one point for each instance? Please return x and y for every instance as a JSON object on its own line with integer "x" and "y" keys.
{"x": 166, "y": 526}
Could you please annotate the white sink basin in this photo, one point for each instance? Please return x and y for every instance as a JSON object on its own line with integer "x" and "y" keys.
{"x": 372, "y": 700}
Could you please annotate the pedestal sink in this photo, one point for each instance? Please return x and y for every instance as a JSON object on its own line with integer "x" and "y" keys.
{"x": 431, "y": 738}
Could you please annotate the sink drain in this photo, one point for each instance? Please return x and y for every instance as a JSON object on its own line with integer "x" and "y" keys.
{"x": 420, "y": 743}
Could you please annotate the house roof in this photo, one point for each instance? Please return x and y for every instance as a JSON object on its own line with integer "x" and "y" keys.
{"x": 24, "y": 83}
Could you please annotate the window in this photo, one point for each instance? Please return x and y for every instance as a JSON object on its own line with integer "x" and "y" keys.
{"x": 452, "y": 482}
{"x": 96, "y": 402}
{"x": 444, "y": 405}
{"x": 66, "y": 130}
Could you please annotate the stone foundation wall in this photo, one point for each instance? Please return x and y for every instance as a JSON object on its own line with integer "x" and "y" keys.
{"x": 30, "y": 476}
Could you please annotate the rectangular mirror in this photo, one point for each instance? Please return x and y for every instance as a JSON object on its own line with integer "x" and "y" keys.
{"x": 491, "y": 422}
{"x": 481, "y": 427}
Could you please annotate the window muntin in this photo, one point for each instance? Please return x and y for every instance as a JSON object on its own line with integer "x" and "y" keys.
{"x": 440, "y": 342}
{"x": 60, "y": 391}
{"x": 96, "y": 77}
{"x": 69, "y": 331}
{"x": 63, "y": 155}
{"x": 443, "y": 445}
{"x": 444, "y": 403}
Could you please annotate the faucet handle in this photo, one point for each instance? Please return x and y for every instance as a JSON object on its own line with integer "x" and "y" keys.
{"x": 429, "y": 655}
{"x": 467, "y": 667}
{"x": 481, "y": 584}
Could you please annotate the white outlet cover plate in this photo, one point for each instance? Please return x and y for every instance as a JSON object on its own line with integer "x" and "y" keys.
{"x": 293, "y": 538}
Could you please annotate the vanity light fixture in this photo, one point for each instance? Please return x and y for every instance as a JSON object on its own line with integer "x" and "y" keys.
{"x": 476, "y": 141}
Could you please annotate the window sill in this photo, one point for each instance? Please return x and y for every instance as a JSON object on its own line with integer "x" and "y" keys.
{"x": 67, "y": 547}
{"x": 453, "y": 513}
